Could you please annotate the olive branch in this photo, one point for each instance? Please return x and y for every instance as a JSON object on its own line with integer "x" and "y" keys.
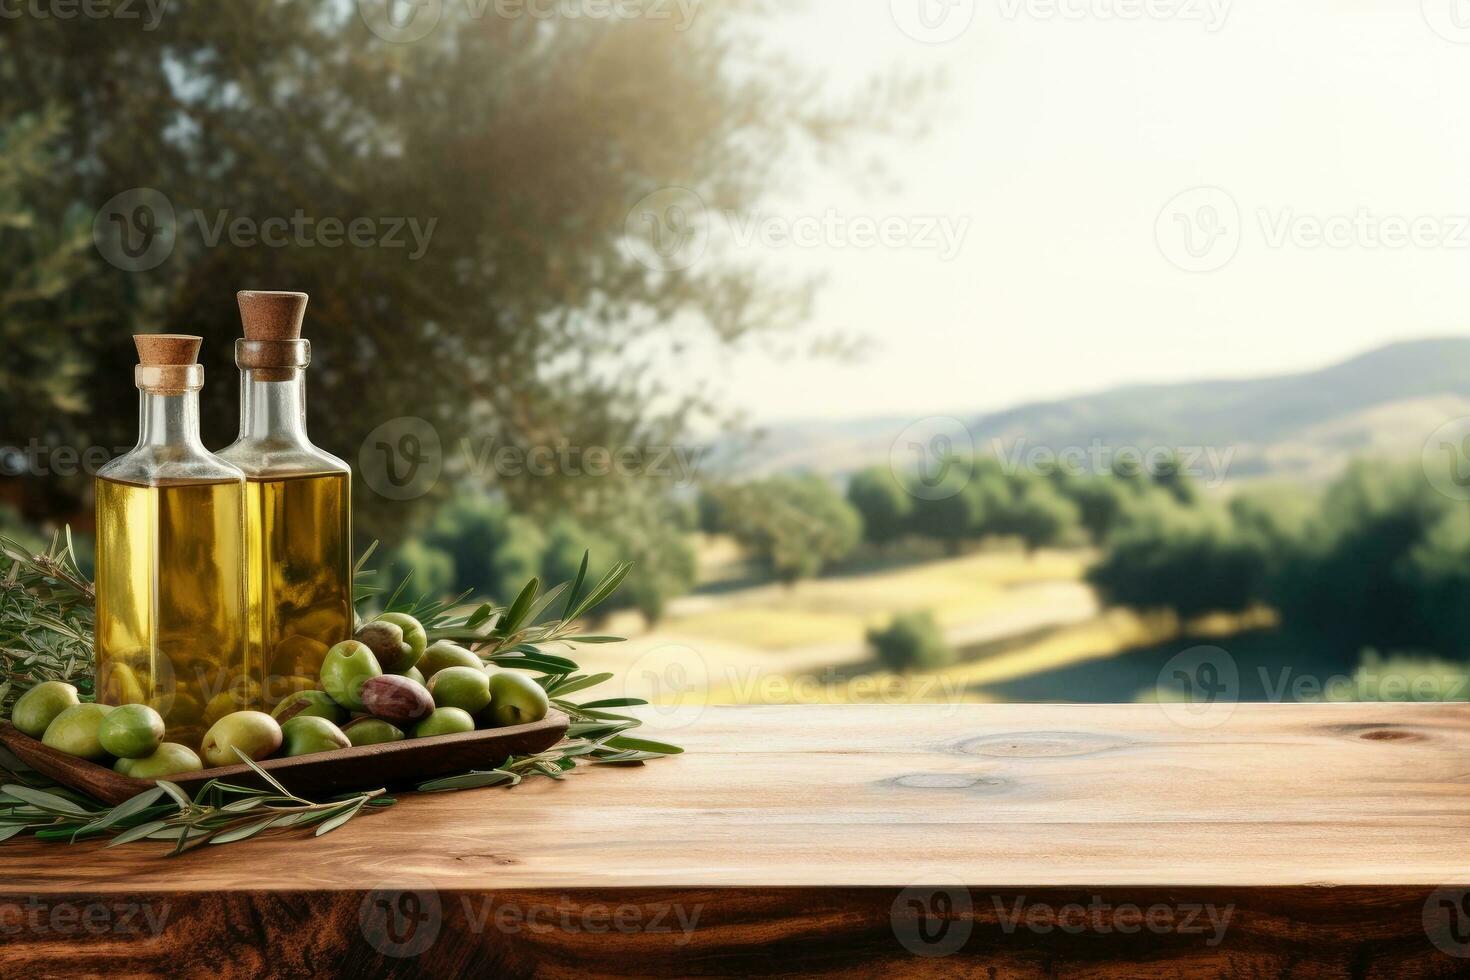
{"x": 46, "y": 633}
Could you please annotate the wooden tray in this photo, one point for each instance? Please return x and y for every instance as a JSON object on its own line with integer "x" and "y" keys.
{"x": 319, "y": 776}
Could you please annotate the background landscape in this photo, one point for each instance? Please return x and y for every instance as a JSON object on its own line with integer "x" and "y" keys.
{"x": 912, "y": 363}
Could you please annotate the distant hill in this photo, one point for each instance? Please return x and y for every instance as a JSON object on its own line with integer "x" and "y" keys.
{"x": 1303, "y": 426}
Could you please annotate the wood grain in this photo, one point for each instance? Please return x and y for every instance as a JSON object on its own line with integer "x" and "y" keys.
{"x": 320, "y": 776}
{"x": 805, "y": 837}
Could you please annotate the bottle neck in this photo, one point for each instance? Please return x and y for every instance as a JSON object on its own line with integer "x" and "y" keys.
{"x": 273, "y": 410}
{"x": 170, "y": 419}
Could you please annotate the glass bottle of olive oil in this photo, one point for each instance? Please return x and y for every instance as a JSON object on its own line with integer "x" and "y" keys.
{"x": 298, "y": 515}
{"x": 170, "y": 558}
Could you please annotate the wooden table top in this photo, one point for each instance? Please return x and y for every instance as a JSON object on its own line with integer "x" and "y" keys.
{"x": 998, "y": 796}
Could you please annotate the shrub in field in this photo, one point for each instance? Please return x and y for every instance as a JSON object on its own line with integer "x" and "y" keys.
{"x": 913, "y": 641}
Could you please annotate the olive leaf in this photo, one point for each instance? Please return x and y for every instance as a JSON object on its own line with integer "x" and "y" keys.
{"x": 46, "y": 632}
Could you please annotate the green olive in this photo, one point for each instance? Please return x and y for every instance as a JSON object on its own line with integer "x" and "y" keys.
{"x": 131, "y": 731}
{"x": 169, "y": 759}
{"x": 445, "y": 721}
{"x": 309, "y": 734}
{"x": 347, "y": 666}
{"x": 253, "y": 732}
{"x": 37, "y": 707}
{"x": 372, "y": 731}
{"x": 312, "y": 703}
{"x": 74, "y": 731}
{"x": 516, "y": 699}
{"x": 461, "y": 687}
{"x": 445, "y": 654}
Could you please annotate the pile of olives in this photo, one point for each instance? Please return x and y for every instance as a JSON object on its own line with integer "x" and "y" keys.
{"x": 386, "y": 684}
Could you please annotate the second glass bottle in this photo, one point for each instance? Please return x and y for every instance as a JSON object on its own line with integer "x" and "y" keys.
{"x": 298, "y": 523}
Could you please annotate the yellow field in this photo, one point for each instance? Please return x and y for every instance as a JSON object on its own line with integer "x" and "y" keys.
{"x": 841, "y": 609}
{"x": 1007, "y": 615}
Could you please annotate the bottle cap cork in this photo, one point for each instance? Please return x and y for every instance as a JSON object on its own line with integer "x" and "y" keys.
{"x": 168, "y": 363}
{"x": 272, "y": 347}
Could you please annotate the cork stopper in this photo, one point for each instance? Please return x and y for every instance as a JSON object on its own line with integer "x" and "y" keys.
{"x": 155, "y": 349}
{"x": 168, "y": 363}
{"x": 272, "y": 348}
{"x": 271, "y": 315}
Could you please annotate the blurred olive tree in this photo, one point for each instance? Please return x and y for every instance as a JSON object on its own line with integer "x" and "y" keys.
{"x": 523, "y": 143}
{"x": 794, "y": 526}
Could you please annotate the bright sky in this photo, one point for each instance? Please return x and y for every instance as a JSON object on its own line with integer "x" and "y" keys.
{"x": 1060, "y": 143}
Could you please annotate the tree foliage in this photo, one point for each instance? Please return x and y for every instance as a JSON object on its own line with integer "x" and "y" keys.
{"x": 1184, "y": 559}
{"x": 883, "y": 501}
{"x": 528, "y": 321}
{"x": 794, "y": 525}
{"x": 1033, "y": 511}
{"x": 493, "y": 550}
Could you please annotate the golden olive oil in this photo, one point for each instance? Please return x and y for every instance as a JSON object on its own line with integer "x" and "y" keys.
{"x": 170, "y": 611}
{"x": 299, "y": 593}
